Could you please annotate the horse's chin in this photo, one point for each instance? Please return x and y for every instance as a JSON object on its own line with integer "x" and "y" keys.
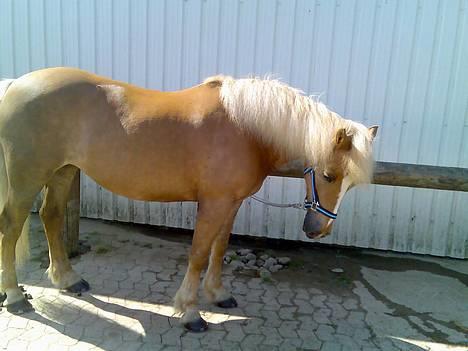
{"x": 316, "y": 235}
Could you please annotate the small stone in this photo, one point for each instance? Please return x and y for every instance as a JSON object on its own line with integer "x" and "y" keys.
{"x": 237, "y": 264}
{"x": 230, "y": 253}
{"x": 284, "y": 260}
{"x": 337, "y": 270}
{"x": 243, "y": 252}
{"x": 250, "y": 263}
{"x": 264, "y": 257}
{"x": 227, "y": 259}
{"x": 270, "y": 262}
{"x": 260, "y": 263}
{"x": 251, "y": 256}
{"x": 275, "y": 268}
{"x": 264, "y": 274}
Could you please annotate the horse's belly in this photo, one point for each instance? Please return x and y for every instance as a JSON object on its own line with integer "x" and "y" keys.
{"x": 140, "y": 184}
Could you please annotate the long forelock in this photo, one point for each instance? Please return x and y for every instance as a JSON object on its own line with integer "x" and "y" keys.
{"x": 295, "y": 124}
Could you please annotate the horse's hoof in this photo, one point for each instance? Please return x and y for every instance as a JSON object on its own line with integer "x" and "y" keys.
{"x": 20, "y": 307}
{"x": 2, "y": 298}
{"x": 228, "y": 303}
{"x": 78, "y": 287}
{"x": 197, "y": 326}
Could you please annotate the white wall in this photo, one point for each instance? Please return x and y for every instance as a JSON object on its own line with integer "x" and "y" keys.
{"x": 400, "y": 64}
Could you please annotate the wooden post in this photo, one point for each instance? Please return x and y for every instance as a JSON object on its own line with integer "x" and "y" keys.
{"x": 71, "y": 227}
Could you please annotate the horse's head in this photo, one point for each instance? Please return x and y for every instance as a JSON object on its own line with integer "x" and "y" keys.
{"x": 350, "y": 163}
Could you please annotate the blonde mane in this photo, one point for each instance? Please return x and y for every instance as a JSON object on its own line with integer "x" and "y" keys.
{"x": 295, "y": 124}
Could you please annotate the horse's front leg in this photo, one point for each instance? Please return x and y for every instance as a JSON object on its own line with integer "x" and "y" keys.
{"x": 212, "y": 283}
{"x": 211, "y": 219}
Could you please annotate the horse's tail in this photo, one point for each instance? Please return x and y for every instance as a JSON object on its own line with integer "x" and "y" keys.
{"x": 22, "y": 247}
{"x": 4, "y": 84}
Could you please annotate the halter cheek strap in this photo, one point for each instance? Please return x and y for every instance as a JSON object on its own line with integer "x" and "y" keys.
{"x": 315, "y": 203}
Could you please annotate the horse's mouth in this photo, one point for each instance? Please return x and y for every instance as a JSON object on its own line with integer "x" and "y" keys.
{"x": 316, "y": 235}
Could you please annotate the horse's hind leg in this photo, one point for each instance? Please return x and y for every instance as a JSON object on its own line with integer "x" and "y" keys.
{"x": 211, "y": 218}
{"x": 52, "y": 214}
{"x": 12, "y": 218}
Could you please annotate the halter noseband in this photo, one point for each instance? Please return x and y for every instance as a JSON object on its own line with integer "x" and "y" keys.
{"x": 315, "y": 203}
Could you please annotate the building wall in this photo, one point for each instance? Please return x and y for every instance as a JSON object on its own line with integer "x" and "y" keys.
{"x": 400, "y": 64}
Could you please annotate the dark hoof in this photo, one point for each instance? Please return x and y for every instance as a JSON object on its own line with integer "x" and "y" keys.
{"x": 2, "y": 298}
{"x": 20, "y": 307}
{"x": 78, "y": 287}
{"x": 228, "y": 303}
{"x": 197, "y": 326}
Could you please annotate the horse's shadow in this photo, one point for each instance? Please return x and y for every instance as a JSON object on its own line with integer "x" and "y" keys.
{"x": 110, "y": 324}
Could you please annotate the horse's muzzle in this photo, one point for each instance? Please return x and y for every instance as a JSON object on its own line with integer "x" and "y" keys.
{"x": 315, "y": 226}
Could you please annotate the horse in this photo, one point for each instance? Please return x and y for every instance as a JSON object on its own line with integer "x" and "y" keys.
{"x": 214, "y": 143}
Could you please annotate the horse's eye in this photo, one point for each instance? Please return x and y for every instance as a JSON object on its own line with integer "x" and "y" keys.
{"x": 329, "y": 178}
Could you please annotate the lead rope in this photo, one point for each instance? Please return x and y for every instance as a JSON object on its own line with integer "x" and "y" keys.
{"x": 296, "y": 205}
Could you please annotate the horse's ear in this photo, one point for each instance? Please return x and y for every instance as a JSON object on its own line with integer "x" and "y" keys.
{"x": 343, "y": 141}
{"x": 373, "y": 131}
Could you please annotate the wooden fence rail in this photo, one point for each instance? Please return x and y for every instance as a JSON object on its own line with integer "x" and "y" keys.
{"x": 405, "y": 174}
{"x": 386, "y": 173}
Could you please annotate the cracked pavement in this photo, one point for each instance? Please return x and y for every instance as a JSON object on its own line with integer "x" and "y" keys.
{"x": 382, "y": 301}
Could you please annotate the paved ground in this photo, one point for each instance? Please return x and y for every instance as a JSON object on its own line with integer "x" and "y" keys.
{"x": 379, "y": 302}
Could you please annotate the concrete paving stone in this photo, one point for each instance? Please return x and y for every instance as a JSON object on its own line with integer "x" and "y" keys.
{"x": 227, "y": 345}
{"x": 17, "y": 344}
{"x": 332, "y": 346}
{"x": 291, "y": 344}
{"x": 31, "y": 334}
{"x": 255, "y": 283}
{"x": 239, "y": 288}
{"x": 270, "y": 304}
{"x": 307, "y": 322}
{"x": 321, "y": 316}
{"x": 350, "y": 304}
{"x": 325, "y": 333}
{"x": 127, "y": 284}
{"x": 271, "y": 318}
{"x": 272, "y": 336}
{"x": 189, "y": 343}
{"x": 347, "y": 341}
{"x": 285, "y": 298}
{"x": 214, "y": 336}
{"x": 252, "y": 326}
{"x": 318, "y": 301}
{"x": 19, "y": 323}
{"x": 288, "y": 329}
{"x": 74, "y": 331}
{"x": 337, "y": 310}
{"x": 304, "y": 307}
{"x": 334, "y": 298}
{"x": 172, "y": 336}
{"x": 254, "y": 295}
{"x": 171, "y": 348}
{"x": 235, "y": 333}
{"x": 311, "y": 346}
{"x": 159, "y": 286}
{"x": 165, "y": 275}
{"x": 288, "y": 313}
{"x": 252, "y": 309}
{"x": 345, "y": 328}
{"x": 251, "y": 341}
{"x": 129, "y": 346}
{"x": 362, "y": 333}
{"x": 267, "y": 348}
{"x": 356, "y": 318}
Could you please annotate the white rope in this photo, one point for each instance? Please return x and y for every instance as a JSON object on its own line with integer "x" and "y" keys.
{"x": 299, "y": 206}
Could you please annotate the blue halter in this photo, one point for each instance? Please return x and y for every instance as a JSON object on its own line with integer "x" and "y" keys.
{"x": 315, "y": 203}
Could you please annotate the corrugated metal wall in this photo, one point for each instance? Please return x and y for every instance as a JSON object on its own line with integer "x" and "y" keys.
{"x": 400, "y": 64}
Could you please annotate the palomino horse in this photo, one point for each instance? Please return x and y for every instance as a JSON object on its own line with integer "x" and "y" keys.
{"x": 213, "y": 143}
